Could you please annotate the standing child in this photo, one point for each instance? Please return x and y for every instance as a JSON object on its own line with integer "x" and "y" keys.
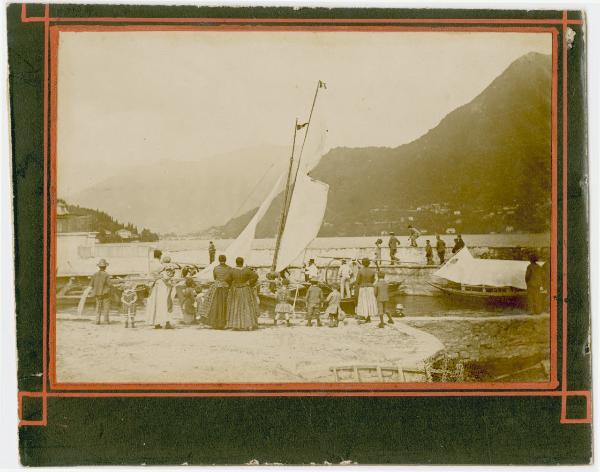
{"x": 283, "y": 307}
{"x": 188, "y": 298}
{"x": 383, "y": 299}
{"x": 314, "y": 299}
{"x": 129, "y": 299}
{"x": 333, "y": 306}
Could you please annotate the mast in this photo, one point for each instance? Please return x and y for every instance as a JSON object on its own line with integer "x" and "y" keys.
{"x": 289, "y": 188}
{"x": 284, "y": 206}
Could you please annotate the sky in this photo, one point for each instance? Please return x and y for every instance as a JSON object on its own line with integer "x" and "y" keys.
{"x": 131, "y": 98}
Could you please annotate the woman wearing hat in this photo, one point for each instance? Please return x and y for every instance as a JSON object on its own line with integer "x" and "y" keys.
{"x": 160, "y": 303}
{"x": 367, "y": 303}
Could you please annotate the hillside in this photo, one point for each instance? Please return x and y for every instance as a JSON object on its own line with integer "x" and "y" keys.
{"x": 485, "y": 167}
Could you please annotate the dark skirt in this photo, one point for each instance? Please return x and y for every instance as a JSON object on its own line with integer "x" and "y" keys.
{"x": 216, "y": 307}
{"x": 242, "y": 308}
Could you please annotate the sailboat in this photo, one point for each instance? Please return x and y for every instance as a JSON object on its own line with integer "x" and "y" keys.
{"x": 303, "y": 209}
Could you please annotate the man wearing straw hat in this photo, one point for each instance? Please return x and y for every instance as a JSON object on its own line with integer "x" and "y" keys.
{"x": 101, "y": 285}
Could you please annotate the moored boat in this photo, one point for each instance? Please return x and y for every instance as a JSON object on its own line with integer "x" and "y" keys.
{"x": 493, "y": 281}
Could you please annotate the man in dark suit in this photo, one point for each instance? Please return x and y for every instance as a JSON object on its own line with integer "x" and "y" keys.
{"x": 101, "y": 285}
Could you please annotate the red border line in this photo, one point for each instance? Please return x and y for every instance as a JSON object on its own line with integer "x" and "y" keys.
{"x": 554, "y": 215}
{"x": 260, "y": 28}
{"x": 100, "y": 19}
{"x": 565, "y": 184}
{"x": 365, "y": 389}
{"x": 331, "y": 388}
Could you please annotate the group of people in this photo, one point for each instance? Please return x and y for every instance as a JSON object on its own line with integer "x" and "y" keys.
{"x": 230, "y": 302}
{"x": 440, "y": 248}
{"x": 414, "y": 234}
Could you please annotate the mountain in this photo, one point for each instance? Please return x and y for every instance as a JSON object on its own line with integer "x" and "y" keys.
{"x": 150, "y": 198}
{"x": 485, "y": 167}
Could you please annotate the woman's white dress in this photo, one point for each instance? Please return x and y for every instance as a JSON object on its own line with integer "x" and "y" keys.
{"x": 158, "y": 301}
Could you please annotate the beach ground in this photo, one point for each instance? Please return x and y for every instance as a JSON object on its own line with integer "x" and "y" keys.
{"x": 111, "y": 353}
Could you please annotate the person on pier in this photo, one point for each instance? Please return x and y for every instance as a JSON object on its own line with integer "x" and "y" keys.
{"x": 215, "y": 302}
{"x": 367, "y": 303}
{"x": 212, "y": 251}
{"x": 440, "y": 247}
{"x": 378, "y": 244}
{"x": 393, "y": 245}
{"x": 413, "y": 235}
{"x": 242, "y": 307}
{"x": 428, "y": 252}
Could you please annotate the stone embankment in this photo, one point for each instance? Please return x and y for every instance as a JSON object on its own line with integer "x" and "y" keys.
{"x": 493, "y": 346}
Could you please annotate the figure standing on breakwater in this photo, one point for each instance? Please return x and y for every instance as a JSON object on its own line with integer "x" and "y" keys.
{"x": 428, "y": 252}
{"x": 215, "y": 303}
{"x": 534, "y": 278}
{"x": 440, "y": 247}
{"x": 367, "y": 304}
{"x": 100, "y": 284}
{"x": 458, "y": 244}
{"x": 212, "y": 250}
{"x": 393, "y": 245}
{"x": 378, "y": 244}
{"x": 413, "y": 235}
{"x": 242, "y": 307}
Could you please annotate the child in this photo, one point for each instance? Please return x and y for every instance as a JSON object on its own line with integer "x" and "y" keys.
{"x": 383, "y": 299}
{"x": 283, "y": 307}
{"x": 428, "y": 252}
{"x": 333, "y": 307}
{"x": 129, "y": 299}
{"x": 314, "y": 299}
{"x": 188, "y": 295}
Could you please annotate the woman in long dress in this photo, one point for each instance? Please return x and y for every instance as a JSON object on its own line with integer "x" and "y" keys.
{"x": 157, "y": 304}
{"x": 365, "y": 279}
{"x": 242, "y": 307}
{"x": 215, "y": 303}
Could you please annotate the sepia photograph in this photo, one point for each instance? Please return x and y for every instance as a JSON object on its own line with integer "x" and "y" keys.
{"x": 302, "y": 206}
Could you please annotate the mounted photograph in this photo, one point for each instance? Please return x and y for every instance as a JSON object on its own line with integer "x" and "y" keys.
{"x": 345, "y": 209}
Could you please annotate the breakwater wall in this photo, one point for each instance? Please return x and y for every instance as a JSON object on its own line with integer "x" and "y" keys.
{"x": 412, "y": 271}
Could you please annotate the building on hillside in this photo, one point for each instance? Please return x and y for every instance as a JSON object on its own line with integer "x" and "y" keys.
{"x": 71, "y": 222}
{"x": 123, "y": 233}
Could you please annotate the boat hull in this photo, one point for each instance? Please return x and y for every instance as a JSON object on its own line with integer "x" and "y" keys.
{"x": 481, "y": 295}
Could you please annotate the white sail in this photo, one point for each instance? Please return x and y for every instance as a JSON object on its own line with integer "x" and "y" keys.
{"x": 304, "y": 218}
{"x": 463, "y": 268}
{"x": 242, "y": 245}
